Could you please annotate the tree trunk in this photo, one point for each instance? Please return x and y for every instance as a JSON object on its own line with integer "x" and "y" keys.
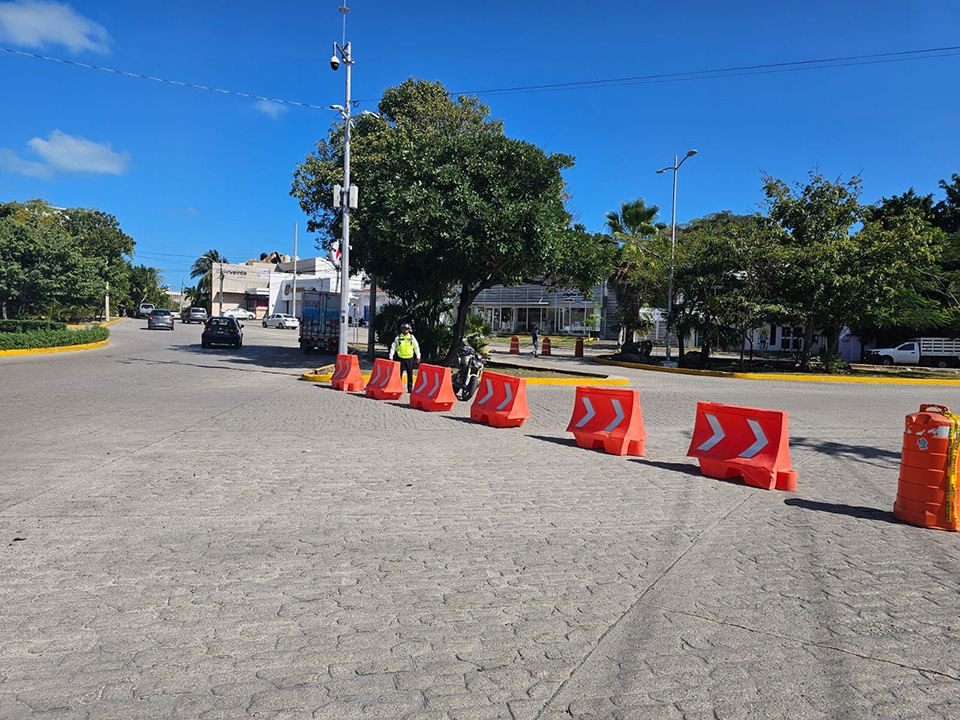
{"x": 467, "y": 296}
{"x": 807, "y": 346}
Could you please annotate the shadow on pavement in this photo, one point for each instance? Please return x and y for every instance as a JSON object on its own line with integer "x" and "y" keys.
{"x": 267, "y": 356}
{"x": 856, "y": 511}
{"x": 685, "y": 468}
{"x": 129, "y": 361}
{"x": 566, "y": 442}
{"x": 843, "y": 450}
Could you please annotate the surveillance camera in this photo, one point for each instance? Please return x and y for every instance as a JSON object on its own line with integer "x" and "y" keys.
{"x": 334, "y": 62}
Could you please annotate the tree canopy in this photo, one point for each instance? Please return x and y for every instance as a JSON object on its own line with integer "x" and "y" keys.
{"x": 449, "y": 204}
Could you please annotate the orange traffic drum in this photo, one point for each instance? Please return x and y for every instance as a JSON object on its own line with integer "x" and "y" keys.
{"x": 927, "y": 493}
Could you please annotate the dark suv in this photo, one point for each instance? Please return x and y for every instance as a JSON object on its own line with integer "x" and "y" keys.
{"x": 194, "y": 314}
{"x": 222, "y": 331}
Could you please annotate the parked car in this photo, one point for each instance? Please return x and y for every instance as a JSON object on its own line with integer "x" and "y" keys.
{"x": 222, "y": 331}
{"x": 176, "y": 314}
{"x": 240, "y": 314}
{"x": 194, "y": 314}
{"x": 160, "y": 318}
{"x": 145, "y": 309}
{"x": 281, "y": 321}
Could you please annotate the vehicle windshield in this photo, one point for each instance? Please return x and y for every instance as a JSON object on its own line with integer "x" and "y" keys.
{"x": 221, "y": 323}
{"x": 161, "y": 312}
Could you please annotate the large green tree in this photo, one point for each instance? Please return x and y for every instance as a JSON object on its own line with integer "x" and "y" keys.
{"x": 832, "y": 274}
{"x": 57, "y": 261}
{"x": 449, "y": 204}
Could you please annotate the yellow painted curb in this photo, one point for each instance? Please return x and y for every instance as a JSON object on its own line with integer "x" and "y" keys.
{"x": 81, "y": 326}
{"x": 786, "y": 378}
{"x": 326, "y": 376}
{"x": 64, "y": 348}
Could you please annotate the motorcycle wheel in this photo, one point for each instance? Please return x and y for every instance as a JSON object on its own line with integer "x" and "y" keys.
{"x": 469, "y": 390}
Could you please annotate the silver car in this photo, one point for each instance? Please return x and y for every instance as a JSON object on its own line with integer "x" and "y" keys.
{"x": 159, "y": 318}
{"x": 282, "y": 321}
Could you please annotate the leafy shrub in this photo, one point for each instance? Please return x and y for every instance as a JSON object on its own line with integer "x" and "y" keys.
{"x": 51, "y": 338}
{"x": 22, "y": 326}
{"x": 830, "y": 363}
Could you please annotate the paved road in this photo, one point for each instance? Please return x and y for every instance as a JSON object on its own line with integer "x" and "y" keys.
{"x": 196, "y": 534}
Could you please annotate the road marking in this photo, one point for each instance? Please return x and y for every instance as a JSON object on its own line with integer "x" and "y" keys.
{"x": 590, "y": 413}
{"x": 618, "y": 419}
{"x": 489, "y": 392}
{"x": 718, "y": 433}
{"x": 759, "y": 444}
{"x": 506, "y": 402}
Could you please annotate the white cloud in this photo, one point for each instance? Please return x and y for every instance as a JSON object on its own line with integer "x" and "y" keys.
{"x": 273, "y": 109}
{"x": 37, "y": 23}
{"x": 66, "y": 153}
{"x": 12, "y": 162}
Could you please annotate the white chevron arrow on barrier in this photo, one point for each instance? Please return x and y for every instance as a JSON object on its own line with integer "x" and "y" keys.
{"x": 421, "y": 381}
{"x": 489, "y": 392}
{"x": 718, "y": 433}
{"x": 436, "y": 385}
{"x": 506, "y": 402}
{"x": 617, "y": 420}
{"x": 376, "y": 375}
{"x": 760, "y": 440}
{"x": 590, "y": 413}
{"x": 386, "y": 376}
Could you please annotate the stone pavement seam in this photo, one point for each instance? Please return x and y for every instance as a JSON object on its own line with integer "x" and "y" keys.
{"x": 807, "y": 643}
{"x": 646, "y": 591}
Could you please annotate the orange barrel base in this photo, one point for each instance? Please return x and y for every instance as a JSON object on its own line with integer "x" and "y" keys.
{"x": 924, "y": 495}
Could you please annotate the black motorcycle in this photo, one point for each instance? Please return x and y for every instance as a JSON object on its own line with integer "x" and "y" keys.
{"x": 470, "y": 366}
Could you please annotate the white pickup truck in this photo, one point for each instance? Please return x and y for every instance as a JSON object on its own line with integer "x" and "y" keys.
{"x": 933, "y": 351}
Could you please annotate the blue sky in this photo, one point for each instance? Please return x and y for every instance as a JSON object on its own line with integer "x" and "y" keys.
{"x": 186, "y": 170}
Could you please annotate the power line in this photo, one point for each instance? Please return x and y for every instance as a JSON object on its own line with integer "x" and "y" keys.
{"x": 740, "y": 70}
{"x": 179, "y": 83}
{"x": 735, "y": 71}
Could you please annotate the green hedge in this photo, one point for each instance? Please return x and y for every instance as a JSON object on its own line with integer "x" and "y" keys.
{"x": 51, "y": 338}
{"x": 24, "y": 326}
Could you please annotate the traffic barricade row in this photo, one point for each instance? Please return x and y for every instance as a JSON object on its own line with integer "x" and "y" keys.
{"x": 728, "y": 440}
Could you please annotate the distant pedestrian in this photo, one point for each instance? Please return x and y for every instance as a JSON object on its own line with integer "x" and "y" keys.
{"x": 406, "y": 347}
{"x": 535, "y": 336}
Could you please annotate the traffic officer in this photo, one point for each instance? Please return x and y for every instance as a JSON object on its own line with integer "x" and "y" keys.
{"x": 405, "y": 347}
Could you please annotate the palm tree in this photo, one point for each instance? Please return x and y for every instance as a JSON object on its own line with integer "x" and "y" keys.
{"x": 203, "y": 269}
{"x": 635, "y": 220}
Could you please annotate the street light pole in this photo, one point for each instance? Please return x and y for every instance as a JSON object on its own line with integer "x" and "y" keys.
{"x": 673, "y": 239}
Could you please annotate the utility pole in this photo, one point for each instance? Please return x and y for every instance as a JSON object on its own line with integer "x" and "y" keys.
{"x": 106, "y": 297}
{"x": 295, "y": 228}
{"x": 371, "y": 344}
{"x": 344, "y": 52}
{"x": 221, "y": 289}
{"x": 181, "y": 296}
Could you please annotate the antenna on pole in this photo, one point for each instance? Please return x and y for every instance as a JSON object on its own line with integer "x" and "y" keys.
{"x": 344, "y": 10}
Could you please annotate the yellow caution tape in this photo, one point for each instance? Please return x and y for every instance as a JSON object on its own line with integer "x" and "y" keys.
{"x": 953, "y": 449}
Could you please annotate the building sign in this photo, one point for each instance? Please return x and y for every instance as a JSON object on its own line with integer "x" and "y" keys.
{"x": 572, "y": 296}
{"x": 241, "y": 278}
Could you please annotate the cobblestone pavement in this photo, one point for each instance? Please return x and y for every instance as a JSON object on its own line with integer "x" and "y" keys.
{"x": 197, "y": 534}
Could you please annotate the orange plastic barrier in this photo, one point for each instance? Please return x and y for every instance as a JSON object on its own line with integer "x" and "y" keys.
{"x": 514, "y": 345}
{"x": 608, "y": 418}
{"x": 927, "y": 492}
{"x": 347, "y": 374}
{"x": 545, "y": 350}
{"x": 434, "y": 389}
{"x": 730, "y": 441}
{"x": 578, "y": 348}
{"x": 385, "y": 381}
{"x": 501, "y": 401}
